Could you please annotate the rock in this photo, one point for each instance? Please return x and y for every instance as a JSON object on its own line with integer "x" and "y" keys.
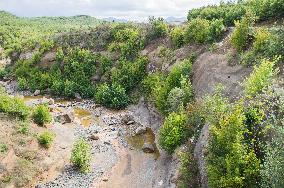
{"x": 65, "y": 118}
{"x": 130, "y": 122}
{"x": 107, "y": 142}
{"x": 96, "y": 78}
{"x": 127, "y": 119}
{"x": 140, "y": 130}
{"x": 37, "y": 92}
{"x": 105, "y": 179}
{"x": 48, "y": 60}
{"x": 94, "y": 137}
{"x": 148, "y": 148}
{"x": 51, "y": 102}
{"x": 78, "y": 96}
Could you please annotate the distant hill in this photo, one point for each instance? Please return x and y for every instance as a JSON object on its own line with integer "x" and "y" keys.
{"x": 113, "y": 19}
{"x": 175, "y": 20}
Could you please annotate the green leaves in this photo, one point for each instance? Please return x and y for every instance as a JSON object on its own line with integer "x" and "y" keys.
{"x": 41, "y": 115}
{"x": 81, "y": 155}
{"x": 260, "y": 78}
{"x": 173, "y": 132}
{"x": 112, "y": 96}
{"x": 45, "y": 139}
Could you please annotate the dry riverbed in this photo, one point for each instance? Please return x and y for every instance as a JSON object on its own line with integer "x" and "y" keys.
{"x": 124, "y": 146}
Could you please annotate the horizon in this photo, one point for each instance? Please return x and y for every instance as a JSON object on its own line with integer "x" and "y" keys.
{"x": 121, "y": 9}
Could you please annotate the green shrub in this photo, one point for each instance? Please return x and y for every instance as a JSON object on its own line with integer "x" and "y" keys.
{"x": 81, "y": 155}
{"x": 175, "y": 99}
{"x": 174, "y": 132}
{"x": 178, "y": 76}
{"x": 260, "y": 78}
{"x": 22, "y": 83}
{"x": 41, "y": 115}
{"x": 13, "y": 106}
{"x": 128, "y": 41}
{"x": 241, "y": 34}
{"x": 267, "y": 44}
{"x": 217, "y": 29}
{"x": 197, "y": 31}
{"x": 45, "y": 139}
{"x": 3, "y": 148}
{"x": 227, "y": 11}
{"x": 158, "y": 28}
{"x": 3, "y": 73}
{"x": 203, "y": 31}
{"x": 23, "y": 128}
{"x": 180, "y": 97}
{"x": 130, "y": 74}
{"x": 112, "y": 96}
{"x": 177, "y": 36}
{"x": 230, "y": 163}
{"x": 272, "y": 168}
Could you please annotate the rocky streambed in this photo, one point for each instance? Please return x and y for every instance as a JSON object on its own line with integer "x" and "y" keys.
{"x": 124, "y": 145}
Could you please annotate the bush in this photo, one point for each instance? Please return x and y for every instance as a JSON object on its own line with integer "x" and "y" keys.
{"x": 81, "y": 155}
{"x": 227, "y": 11}
{"x": 128, "y": 41}
{"x": 3, "y": 73}
{"x": 260, "y": 78}
{"x": 178, "y": 76}
{"x": 197, "y": 31}
{"x": 203, "y": 31}
{"x": 174, "y": 132}
{"x": 130, "y": 74}
{"x": 267, "y": 44}
{"x": 230, "y": 162}
{"x": 112, "y": 96}
{"x": 158, "y": 28}
{"x": 13, "y": 106}
{"x": 241, "y": 34}
{"x": 273, "y": 168}
{"x": 217, "y": 28}
{"x": 175, "y": 99}
{"x": 177, "y": 36}
{"x": 24, "y": 128}
{"x": 41, "y": 115}
{"x": 22, "y": 84}
{"x": 46, "y": 138}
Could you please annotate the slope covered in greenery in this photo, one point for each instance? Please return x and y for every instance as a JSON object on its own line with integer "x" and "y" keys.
{"x": 109, "y": 63}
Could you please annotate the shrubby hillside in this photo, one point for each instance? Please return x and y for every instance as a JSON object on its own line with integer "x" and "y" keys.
{"x": 216, "y": 81}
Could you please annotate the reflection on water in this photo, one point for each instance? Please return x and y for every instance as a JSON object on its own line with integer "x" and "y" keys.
{"x": 85, "y": 116}
{"x": 137, "y": 141}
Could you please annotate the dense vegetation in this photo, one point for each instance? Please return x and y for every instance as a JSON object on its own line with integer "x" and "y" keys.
{"x": 105, "y": 63}
{"x": 235, "y": 10}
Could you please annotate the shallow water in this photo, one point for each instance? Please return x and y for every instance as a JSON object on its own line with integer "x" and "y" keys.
{"x": 85, "y": 116}
{"x": 137, "y": 141}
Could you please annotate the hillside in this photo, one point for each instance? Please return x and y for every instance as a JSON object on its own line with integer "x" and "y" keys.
{"x": 89, "y": 103}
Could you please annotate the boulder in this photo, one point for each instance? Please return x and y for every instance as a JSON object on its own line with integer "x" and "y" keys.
{"x": 78, "y": 96}
{"x": 48, "y": 60}
{"x": 148, "y": 148}
{"x": 140, "y": 130}
{"x": 65, "y": 118}
{"x": 127, "y": 119}
{"x": 51, "y": 102}
{"x": 37, "y": 92}
{"x": 94, "y": 137}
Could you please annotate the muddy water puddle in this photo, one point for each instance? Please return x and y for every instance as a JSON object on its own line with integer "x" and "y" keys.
{"x": 138, "y": 141}
{"x": 85, "y": 116}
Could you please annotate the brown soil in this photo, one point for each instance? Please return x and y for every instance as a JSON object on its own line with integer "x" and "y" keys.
{"x": 211, "y": 69}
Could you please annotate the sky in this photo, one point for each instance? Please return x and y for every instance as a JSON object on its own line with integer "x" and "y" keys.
{"x": 127, "y": 9}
